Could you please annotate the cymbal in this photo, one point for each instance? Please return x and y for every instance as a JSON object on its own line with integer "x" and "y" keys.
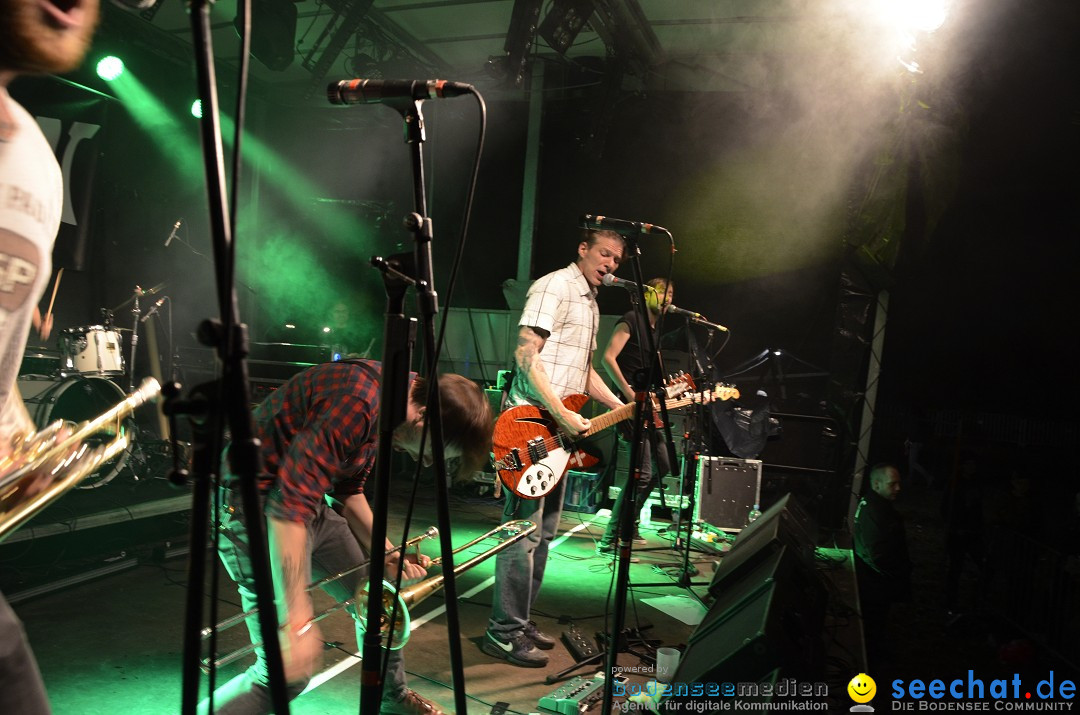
{"x": 136, "y": 293}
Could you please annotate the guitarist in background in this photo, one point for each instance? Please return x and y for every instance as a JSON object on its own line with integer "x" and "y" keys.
{"x": 624, "y": 356}
{"x": 556, "y": 340}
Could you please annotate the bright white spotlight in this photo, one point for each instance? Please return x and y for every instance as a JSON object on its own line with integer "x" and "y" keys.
{"x": 924, "y": 15}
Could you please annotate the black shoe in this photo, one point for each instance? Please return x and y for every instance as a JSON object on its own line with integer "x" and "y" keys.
{"x": 517, "y": 650}
{"x": 539, "y": 638}
{"x": 639, "y": 539}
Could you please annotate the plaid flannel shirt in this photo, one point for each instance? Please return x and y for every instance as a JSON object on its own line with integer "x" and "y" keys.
{"x": 319, "y": 435}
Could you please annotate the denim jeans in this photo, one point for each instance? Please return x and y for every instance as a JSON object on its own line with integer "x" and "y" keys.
{"x": 651, "y": 444}
{"x": 333, "y": 549}
{"x": 519, "y": 569}
{"x": 21, "y": 688}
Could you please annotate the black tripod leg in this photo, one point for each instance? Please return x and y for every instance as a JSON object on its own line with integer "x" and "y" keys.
{"x": 592, "y": 659}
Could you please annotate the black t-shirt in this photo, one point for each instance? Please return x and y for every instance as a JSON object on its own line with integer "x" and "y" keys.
{"x": 630, "y": 358}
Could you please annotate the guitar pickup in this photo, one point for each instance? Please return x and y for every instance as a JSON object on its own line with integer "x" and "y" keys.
{"x": 537, "y": 449}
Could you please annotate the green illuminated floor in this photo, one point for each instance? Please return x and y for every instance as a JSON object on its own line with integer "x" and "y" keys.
{"x": 113, "y": 645}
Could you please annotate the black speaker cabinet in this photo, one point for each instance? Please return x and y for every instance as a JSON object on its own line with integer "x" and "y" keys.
{"x": 728, "y": 489}
{"x": 766, "y": 619}
{"x": 784, "y": 524}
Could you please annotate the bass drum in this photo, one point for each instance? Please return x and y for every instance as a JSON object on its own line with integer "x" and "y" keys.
{"x": 75, "y": 400}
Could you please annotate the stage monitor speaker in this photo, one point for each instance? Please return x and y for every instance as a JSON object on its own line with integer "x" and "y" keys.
{"x": 770, "y": 618}
{"x": 784, "y": 524}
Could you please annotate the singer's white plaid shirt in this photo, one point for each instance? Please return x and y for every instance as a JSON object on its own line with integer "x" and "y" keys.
{"x": 564, "y": 304}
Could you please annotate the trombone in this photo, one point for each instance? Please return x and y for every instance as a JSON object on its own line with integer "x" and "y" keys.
{"x": 508, "y": 534}
{"x": 231, "y": 621}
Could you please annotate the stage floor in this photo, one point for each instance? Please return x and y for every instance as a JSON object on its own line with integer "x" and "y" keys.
{"x": 113, "y": 644}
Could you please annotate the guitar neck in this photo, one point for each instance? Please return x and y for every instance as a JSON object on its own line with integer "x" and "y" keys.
{"x": 614, "y": 417}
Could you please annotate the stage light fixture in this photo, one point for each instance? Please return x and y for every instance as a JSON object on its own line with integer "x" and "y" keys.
{"x": 196, "y": 109}
{"x": 564, "y": 22}
{"x": 524, "y": 19}
{"x": 110, "y": 68}
{"x": 273, "y": 32}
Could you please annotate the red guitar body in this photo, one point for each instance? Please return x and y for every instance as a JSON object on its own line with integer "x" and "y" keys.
{"x": 531, "y": 453}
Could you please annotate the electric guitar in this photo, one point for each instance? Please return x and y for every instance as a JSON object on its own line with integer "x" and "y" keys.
{"x": 532, "y": 454}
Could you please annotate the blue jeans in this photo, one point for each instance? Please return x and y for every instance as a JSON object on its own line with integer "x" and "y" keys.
{"x": 333, "y": 549}
{"x": 519, "y": 569}
{"x": 652, "y": 444}
{"x": 21, "y": 688}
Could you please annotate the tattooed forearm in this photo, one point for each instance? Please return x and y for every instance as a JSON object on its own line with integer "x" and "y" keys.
{"x": 529, "y": 344}
{"x": 526, "y": 355}
{"x": 293, "y": 570}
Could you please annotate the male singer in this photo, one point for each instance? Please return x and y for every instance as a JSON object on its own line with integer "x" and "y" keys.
{"x": 556, "y": 340}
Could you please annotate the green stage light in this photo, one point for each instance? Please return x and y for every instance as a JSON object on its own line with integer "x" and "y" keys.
{"x": 109, "y": 68}
{"x": 196, "y": 109}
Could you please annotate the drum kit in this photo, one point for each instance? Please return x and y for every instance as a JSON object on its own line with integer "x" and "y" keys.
{"x": 76, "y": 383}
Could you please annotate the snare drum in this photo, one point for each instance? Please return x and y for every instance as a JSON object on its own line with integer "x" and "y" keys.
{"x": 74, "y": 400}
{"x": 92, "y": 350}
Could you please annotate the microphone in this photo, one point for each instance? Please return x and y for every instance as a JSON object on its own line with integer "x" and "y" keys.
{"x": 175, "y": 228}
{"x": 620, "y": 225}
{"x": 371, "y": 91}
{"x": 707, "y": 324}
{"x": 697, "y": 318}
{"x": 610, "y": 280}
{"x": 682, "y": 311}
{"x": 154, "y": 307}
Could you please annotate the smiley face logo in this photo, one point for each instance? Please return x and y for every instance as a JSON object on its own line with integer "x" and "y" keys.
{"x": 862, "y": 688}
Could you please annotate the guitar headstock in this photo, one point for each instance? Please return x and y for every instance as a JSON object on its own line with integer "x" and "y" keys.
{"x": 725, "y": 392}
{"x": 678, "y": 383}
{"x": 721, "y": 392}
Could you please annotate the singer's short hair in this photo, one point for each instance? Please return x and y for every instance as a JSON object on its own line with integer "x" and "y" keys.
{"x": 591, "y": 235}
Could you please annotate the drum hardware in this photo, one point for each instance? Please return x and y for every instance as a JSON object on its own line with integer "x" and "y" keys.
{"x": 136, "y": 321}
{"x": 138, "y": 291}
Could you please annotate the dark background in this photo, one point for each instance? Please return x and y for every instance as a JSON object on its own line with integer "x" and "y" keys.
{"x": 980, "y": 287}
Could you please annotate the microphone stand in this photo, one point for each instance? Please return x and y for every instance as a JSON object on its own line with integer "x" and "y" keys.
{"x": 397, "y": 332}
{"x": 628, "y": 515}
{"x": 229, "y": 397}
